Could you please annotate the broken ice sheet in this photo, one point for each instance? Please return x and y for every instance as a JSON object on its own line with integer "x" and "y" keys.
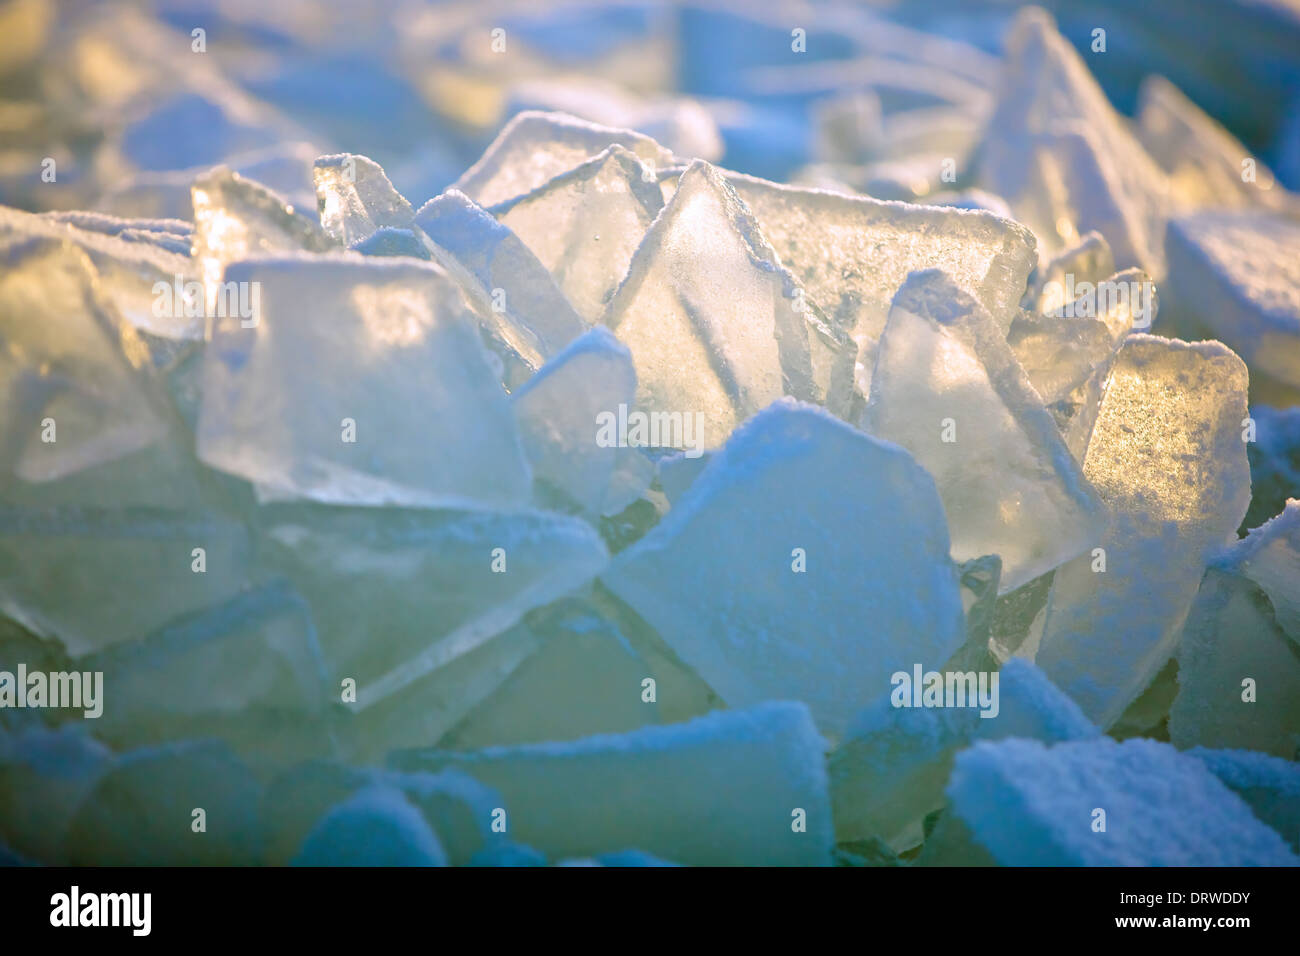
{"x": 513, "y": 293}
{"x": 397, "y": 593}
{"x": 1162, "y": 808}
{"x": 892, "y": 766}
{"x": 248, "y": 670}
{"x": 131, "y": 275}
{"x": 70, "y": 369}
{"x": 1067, "y": 162}
{"x": 1238, "y": 273}
{"x": 582, "y": 661}
{"x": 1207, "y": 165}
{"x": 760, "y": 576}
{"x": 354, "y": 198}
{"x": 235, "y": 219}
{"x": 535, "y": 147}
{"x": 1239, "y": 670}
{"x": 721, "y": 790}
{"x": 413, "y": 414}
{"x": 720, "y": 350}
{"x": 1167, "y": 458}
{"x": 948, "y": 388}
{"x": 851, "y": 254}
{"x": 560, "y": 410}
{"x": 585, "y": 224}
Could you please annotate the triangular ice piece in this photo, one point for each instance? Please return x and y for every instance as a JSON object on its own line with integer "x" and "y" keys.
{"x": 760, "y": 576}
{"x": 1207, "y": 165}
{"x": 948, "y": 388}
{"x": 1270, "y": 556}
{"x": 713, "y": 322}
{"x": 1063, "y": 157}
{"x": 354, "y": 198}
{"x": 584, "y": 225}
{"x": 1167, "y": 457}
{"x": 407, "y": 376}
{"x": 535, "y": 147}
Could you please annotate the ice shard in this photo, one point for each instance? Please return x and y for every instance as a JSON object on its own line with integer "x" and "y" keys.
{"x": 721, "y": 790}
{"x": 414, "y": 414}
{"x": 948, "y": 388}
{"x": 355, "y": 199}
{"x": 759, "y": 577}
{"x": 1168, "y": 460}
{"x": 584, "y": 225}
{"x": 535, "y": 147}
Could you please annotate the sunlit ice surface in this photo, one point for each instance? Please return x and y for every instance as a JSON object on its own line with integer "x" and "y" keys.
{"x": 691, "y": 433}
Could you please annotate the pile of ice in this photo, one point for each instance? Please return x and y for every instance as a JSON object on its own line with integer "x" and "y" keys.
{"x": 615, "y": 506}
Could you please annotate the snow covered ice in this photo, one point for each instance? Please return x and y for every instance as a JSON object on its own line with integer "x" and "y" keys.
{"x": 575, "y": 434}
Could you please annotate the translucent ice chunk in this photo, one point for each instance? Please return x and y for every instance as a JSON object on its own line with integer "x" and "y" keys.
{"x": 1167, "y": 458}
{"x": 400, "y": 593}
{"x": 1270, "y": 556}
{"x": 1162, "y": 808}
{"x": 74, "y": 395}
{"x": 1061, "y": 154}
{"x": 851, "y": 254}
{"x": 560, "y": 412}
{"x": 354, "y": 198}
{"x": 248, "y": 671}
{"x": 514, "y": 294}
{"x": 1238, "y": 273}
{"x": 140, "y": 811}
{"x": 535, "y": 147}
{"x": 134, "y": 569}
{"x": 1270, "y": 786}
{"x": 409, "y": 381}
{"x": 747, "y": 772}
{"x": 1060, "y": 354}
{"x": 722, "y": 578}
{"x": 1238, "y": 673}
{"x": 237, "y": 218}
{"x": 583, "y": 661}
{"x": 1089, "y": 260}
{"x": 890, "y": 770}
{"x": 376, "y": 827}
{"x": 44, "y": 776}
{"x": 948, "y": 388}
{"x": 1206, "y": 164}
{"x": 130, "y": 273}
{"x": 720, "y": 350}
{"x": 585, "y": 224}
